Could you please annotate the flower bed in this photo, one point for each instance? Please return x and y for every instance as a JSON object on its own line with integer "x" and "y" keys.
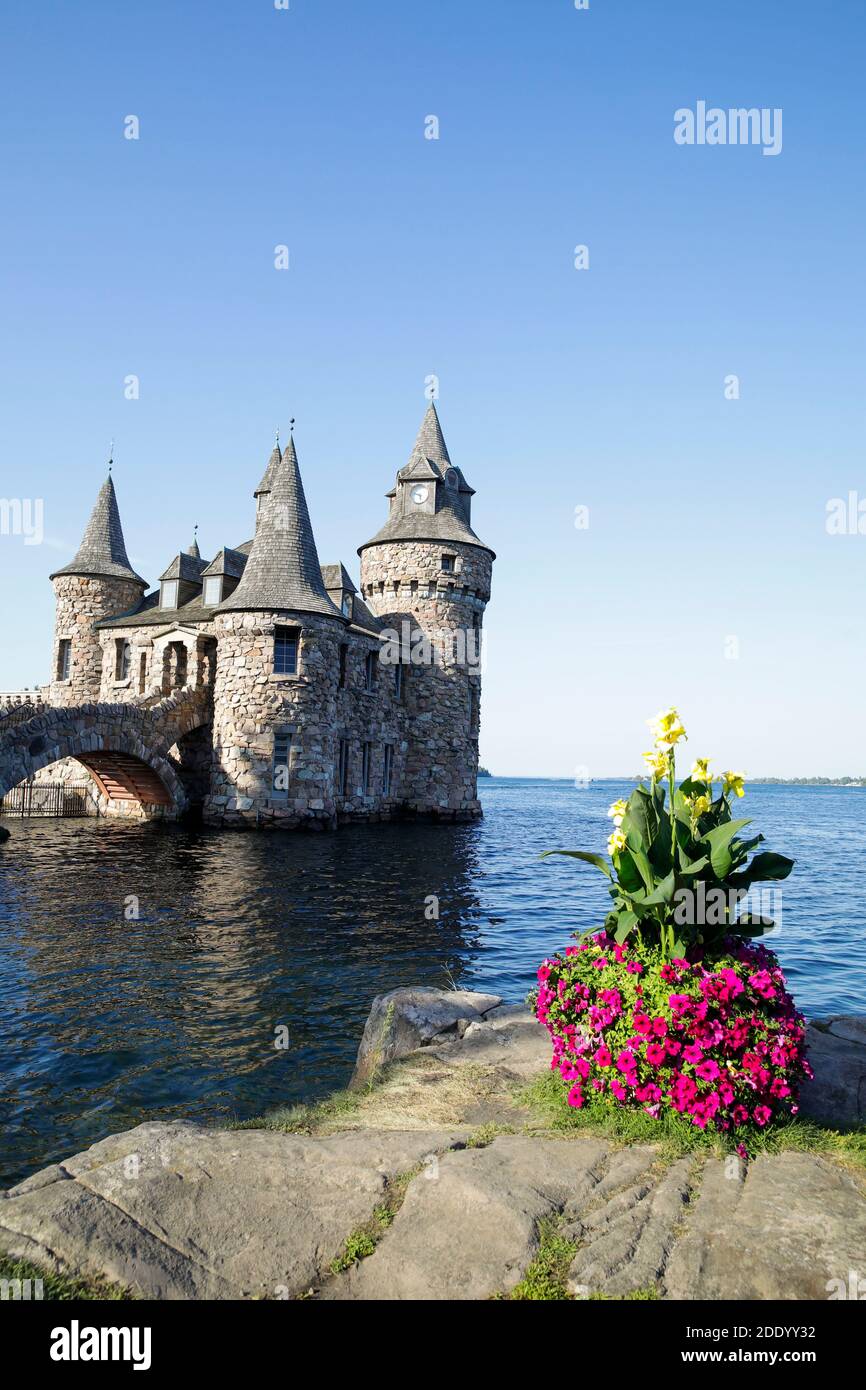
{"x": 718, "y": 1041}
{"x": 673, "y": 1007}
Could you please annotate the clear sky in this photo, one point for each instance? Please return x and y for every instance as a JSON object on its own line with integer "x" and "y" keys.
{"x": 559, "y": 388}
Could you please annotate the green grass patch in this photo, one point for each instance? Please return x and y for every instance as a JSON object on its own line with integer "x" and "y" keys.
{"x": 545, "y": 1278}
{"x": 304, "y": 1119}
{"x": 363, "y": 1241}
{"x": 61, "y": 1287}
{"x": 675, "y": 1136}
{"x": 485, "y": 1134}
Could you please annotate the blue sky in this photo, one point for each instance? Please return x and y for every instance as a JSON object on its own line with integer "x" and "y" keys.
{"x": 559, "y": 388}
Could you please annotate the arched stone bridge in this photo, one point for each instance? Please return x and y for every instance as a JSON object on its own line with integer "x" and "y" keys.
{"x": 124, "y": 747}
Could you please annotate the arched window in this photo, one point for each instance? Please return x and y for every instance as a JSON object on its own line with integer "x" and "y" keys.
{"x": 122, "y": 658}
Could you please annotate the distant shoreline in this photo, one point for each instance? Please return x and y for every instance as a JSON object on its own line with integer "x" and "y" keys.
{"x": 631, "y": 777}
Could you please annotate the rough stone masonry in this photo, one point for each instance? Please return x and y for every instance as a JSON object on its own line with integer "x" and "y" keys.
{"x": 327, "y": 704}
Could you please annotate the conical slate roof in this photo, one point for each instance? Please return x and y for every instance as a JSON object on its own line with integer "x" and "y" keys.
{"x": 430, "y": 443}
{"x": 283, "y": 571}
{"x": 102, "y": 551}
{"x": 273, "y": 464}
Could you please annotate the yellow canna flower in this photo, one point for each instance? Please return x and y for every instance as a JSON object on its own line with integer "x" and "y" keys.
{"x": 615, "y": 843}
{"x": 617, "y": 811}
{"x": 734, "y": 782}
{"x": 657, "y": 764}
{"x": 701, "y": 771}
{"x": 667, "y": 728}
{"x": 699, "y": 806}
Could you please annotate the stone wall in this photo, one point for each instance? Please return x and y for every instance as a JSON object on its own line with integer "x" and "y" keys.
{"x": 253, "y": 705}
{"x": 82, "y": 601}
{"x": 405, "y": 585}
{"x": 429, "y": 722}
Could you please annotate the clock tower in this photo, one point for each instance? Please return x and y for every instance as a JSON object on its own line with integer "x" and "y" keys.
{"x": 427, "y": 576}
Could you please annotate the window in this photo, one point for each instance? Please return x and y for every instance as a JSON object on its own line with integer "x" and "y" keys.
{"x": 169, "y": 593}
{"x": 371, "y": 662}
{"x": 286, "y": 651}
{"x": 366, "y": 768}
{"x": 448, "y": 563}
{"x": 64, "y": 658}
{"x": 122, "y": 658}
{"x": 212, "y": 590}
{"x": 282, "y": 751}
{"x": 344, "y": 658}
{"x": 347, "y": 605}
{"x": 473, "y": 711}
{"x": 142, "y": 673}
{"x": 398, "y": 681}
{"x": 343, "y": 768}
{"x": 387, "y": 758}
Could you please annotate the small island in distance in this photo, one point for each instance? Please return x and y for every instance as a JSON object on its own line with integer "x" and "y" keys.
{"x": 812, "y": 781}
{"x": 482, "y": 772}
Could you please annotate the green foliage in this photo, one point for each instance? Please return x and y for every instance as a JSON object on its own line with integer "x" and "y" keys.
{"x": 545, "y": 1278}
{"x": 680, "y": 869}
{"x": 61, "y": 1287}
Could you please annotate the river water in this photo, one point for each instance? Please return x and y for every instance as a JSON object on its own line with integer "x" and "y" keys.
{"x": 145, "y": 970}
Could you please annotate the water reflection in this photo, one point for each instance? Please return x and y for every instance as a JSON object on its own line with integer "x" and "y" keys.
{"x": 107, "y": 1018}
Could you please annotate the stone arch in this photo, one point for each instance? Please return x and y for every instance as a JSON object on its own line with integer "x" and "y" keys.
{"x": 123, "y": 747}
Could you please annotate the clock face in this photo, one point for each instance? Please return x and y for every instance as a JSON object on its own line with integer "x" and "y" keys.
{"x": 419, "y": 495}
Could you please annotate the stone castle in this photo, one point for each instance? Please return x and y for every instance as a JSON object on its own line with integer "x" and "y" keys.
{"x": 324, "y": 703}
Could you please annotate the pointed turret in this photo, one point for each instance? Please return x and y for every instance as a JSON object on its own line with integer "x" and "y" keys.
{"x": 267, "y": 478}
{"x": 193, "y": 549}
{"x": 102, "y": 552}
{"x": 282, "y": 572}
{"x": 431, "y": 499}
{"x": 430, "y": 443}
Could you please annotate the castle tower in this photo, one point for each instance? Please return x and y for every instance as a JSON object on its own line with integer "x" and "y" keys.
{"x": 278, "y": 647}
{"x": 99, "y": 583}
{"x": 428, "y": 576}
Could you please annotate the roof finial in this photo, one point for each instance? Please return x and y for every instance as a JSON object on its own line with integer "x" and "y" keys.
{"x": 277, "y": 441}
{"x": 292, "y": 425}
{"x": 110, "y": 456}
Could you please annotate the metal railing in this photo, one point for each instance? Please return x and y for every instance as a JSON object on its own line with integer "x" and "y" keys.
{"x": 47, "y": 799}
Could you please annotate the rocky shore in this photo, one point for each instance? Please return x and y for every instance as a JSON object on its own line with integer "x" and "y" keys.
{"x": 437, "y": 1177}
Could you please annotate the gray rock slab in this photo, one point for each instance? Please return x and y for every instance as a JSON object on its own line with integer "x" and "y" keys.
{"x": 629, "y": 1231}
{"x": 468, "y": 1227}
{"x": 405, "y": 1019}
{"x": 179, "y": 1211}
{"x": 837, "y": 1094}
{"x": 513, "y": 1041}
{"x": 782, "y": 1228}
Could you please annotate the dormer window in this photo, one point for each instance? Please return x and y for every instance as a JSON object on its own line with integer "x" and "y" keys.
{"x": 169, "y": 593}
{"x": 347, "y": 605}
{"x": 448, "y": 562}
{"x": 213, "y": 587}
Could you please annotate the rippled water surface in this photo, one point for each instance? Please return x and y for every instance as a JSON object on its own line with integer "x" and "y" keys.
{"x": 107, "y": 1019}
